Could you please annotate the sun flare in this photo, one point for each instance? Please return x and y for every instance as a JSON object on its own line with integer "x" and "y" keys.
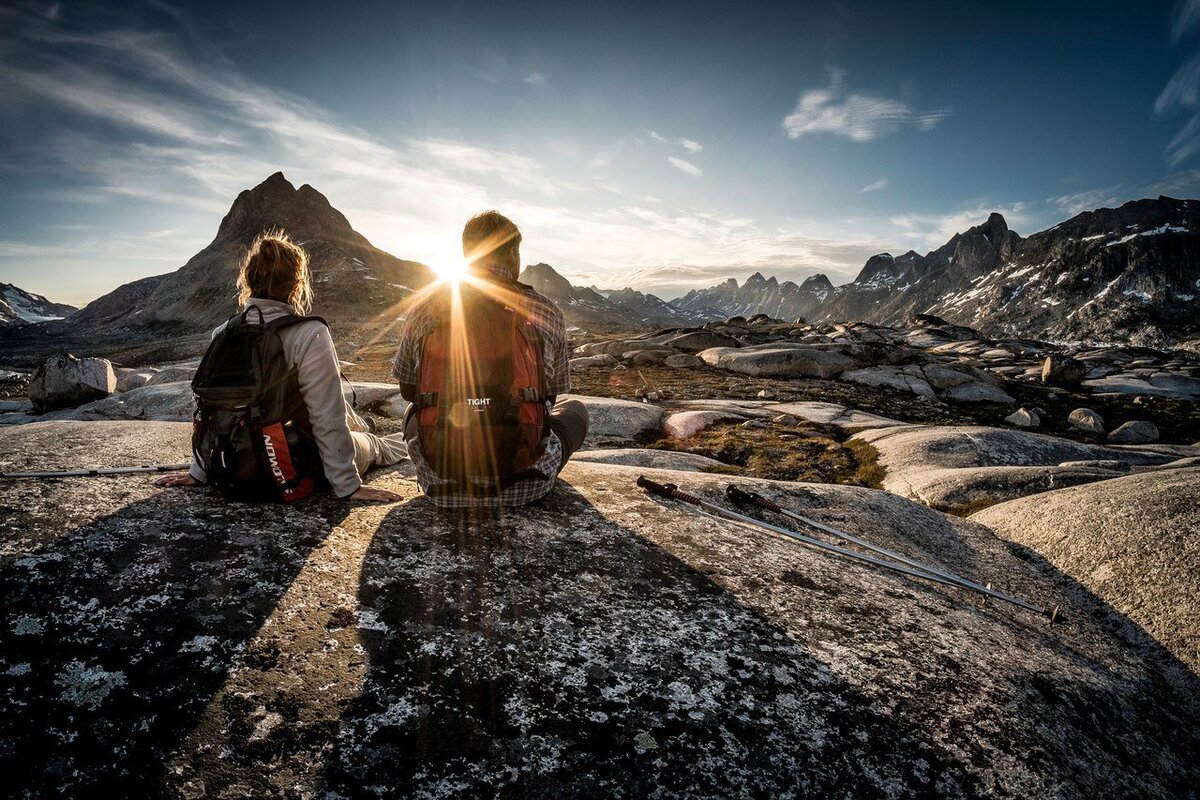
{"x": 451, "y": 271}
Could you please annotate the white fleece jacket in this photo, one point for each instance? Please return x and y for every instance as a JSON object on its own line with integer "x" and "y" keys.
{"x": 309, "y": 347}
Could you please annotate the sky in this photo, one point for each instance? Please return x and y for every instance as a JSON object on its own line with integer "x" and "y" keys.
{"x": 664, "y": 146}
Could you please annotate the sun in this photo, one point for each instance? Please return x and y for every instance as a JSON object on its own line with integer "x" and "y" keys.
{"x": 451, "y": 271}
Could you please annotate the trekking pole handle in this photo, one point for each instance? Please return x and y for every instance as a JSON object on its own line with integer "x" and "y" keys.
{"x": 669, "y": 490}
{"x": 751, "y": 498}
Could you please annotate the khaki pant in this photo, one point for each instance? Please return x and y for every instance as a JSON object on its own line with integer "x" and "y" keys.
{"x": 371, "y": 450}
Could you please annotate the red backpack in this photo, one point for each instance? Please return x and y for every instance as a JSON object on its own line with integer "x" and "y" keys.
{"x": 481, "y": 391}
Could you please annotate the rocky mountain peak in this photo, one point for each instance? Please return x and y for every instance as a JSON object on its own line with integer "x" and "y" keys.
{"x": 879, "y": 265}
{"x": 545, "y": 279}
{"x": 276, "y": 203}
{"x": 816, "y": 283}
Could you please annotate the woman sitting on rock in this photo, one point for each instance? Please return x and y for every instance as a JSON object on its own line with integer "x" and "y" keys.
{"x": 275, "y": 279}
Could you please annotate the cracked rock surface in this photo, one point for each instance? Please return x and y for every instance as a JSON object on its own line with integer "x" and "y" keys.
{"x": 162, "y": 642}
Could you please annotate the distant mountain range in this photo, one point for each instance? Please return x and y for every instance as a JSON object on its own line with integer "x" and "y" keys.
{"x": 1125, "y": 274}
{"x": 19, "y": 307}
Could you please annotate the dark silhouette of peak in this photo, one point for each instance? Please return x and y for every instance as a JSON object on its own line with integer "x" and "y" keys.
{"x": 276, "y": 203}
{"x": 545, "y": 279}
{"x": 756, "y": 278}
{"x": 816, "y": 283}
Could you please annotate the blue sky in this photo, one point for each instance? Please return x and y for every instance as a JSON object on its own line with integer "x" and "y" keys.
{"x": 664, "y": 148}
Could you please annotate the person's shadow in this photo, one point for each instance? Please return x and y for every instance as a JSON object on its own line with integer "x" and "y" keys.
{"x": 546, "y": 651}
{"x": 119, "y": 633}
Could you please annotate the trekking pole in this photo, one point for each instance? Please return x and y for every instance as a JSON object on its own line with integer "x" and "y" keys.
{"x": 743, "y": 497}
{"x": 96, "y": 473}
{"x": 673, "y": 492}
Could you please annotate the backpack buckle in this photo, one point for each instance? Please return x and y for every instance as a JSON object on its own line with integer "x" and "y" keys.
{"x": 528, "y": 395}
{"x": 427, "y": 399}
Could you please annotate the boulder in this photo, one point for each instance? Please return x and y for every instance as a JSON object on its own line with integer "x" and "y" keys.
{"x": 1063, "y": 371}
{"x": 620, "y": 421}
{"x": 369, "y": 394}
{"x": 687, "y": 424}
{"x": 977, "y": 392}
{"x": 1127, "y": 547}
{"x": 1085, "y": 419}
{"x": 164, "y": 402}
{"x": 683, "y": 361}
{"x": 963, "y": 468}
{"x": 781, "y": 360}
{"x": 646, "y": 358}
{"x": 649, "y": 459}
{"x": 128, "y": 378}
{"x": 766, "y": 394}
{"x": 695, "y": 341}
{"x": 172, "y": 374}
{"x": 1024, "y": 418}
{"x": 1130, "y": 383}
{"x": 813, "y": 411}
{"x": 892, "y": 377}
{"x": 63, "y": 381}
{"x": 1135, "y": 432}
{"x": 603, "y": 360}
{"x": 1182, "y": 385}
{"x": 598, "y": 642}
{"x": 941, "y": 376}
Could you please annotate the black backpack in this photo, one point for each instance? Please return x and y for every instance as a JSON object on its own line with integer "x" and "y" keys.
{"x": 251, "y": 431}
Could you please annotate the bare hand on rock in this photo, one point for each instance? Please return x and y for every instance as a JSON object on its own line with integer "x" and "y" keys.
{"x": 177, "y": 480}
{"x": 370, "y": 495}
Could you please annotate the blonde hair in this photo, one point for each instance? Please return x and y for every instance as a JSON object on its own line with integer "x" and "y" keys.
{"x": 492, "y": 238}
{"x": 276, "y": 268}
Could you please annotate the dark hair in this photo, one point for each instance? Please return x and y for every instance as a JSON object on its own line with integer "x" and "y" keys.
{"x": 276, "y": 268}
{"x": 492, "y": 238}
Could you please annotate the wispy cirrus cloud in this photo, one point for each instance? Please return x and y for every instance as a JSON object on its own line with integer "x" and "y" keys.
{"x": 1181, "y": 95}
{"x": 856, "y": 116}
{"x": 687, "y": 144}
{"x": 930, "y": 231}
{"x": 876, "y": 186}
{"x": 686, "y": 166}
{"x": 1088, "y": 200}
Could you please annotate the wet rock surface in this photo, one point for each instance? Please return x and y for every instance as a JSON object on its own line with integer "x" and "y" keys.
{"x": 599, "y": 643}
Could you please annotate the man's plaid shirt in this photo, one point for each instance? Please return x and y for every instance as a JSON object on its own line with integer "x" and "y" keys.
{"x": 548, "y": 320}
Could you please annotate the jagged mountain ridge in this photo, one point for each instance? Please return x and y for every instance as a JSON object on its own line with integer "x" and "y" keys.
{"x": 1130, "y": 273}
{"x": 354, "y": 282}
{"x": 19, "y": 307}
{"x": 758, "y": 295}
{"x": 589, "y": 308}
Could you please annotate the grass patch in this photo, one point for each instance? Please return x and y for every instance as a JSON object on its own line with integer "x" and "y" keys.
{"x": 806, "y": 452}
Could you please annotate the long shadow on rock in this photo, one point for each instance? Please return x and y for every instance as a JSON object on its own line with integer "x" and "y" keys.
{"x": 117, "y": 635}
{"x": 546, "y": 651}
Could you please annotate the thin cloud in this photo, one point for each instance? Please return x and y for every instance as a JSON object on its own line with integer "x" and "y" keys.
{"x": 876, "y": 186}
{"x": 1186, "y": 18}
{"x": 859, "y": 117}
{"x": 934, "y": 230}
{"x": 1182, "y": 94}
{"x": 690, "y": 145}
{"x": 1088, "y": 200}
{"x": 535, "y": 79}
{"x": 686, "y": 166}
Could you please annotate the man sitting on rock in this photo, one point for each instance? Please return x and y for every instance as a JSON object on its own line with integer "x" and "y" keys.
{"x": 483, "y": 361}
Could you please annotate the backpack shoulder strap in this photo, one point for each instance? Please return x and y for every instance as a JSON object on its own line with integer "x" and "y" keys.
{"x": 289, "y": 320}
